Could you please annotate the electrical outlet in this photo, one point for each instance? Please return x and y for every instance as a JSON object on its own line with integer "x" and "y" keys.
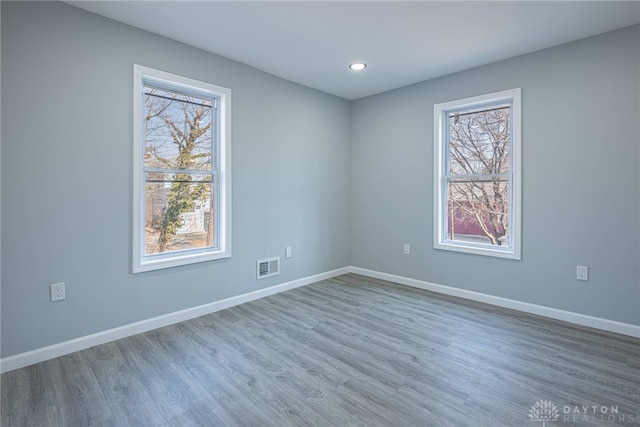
{"x": 582, "y": 272}
{"x": 57, "y": 292}
{"x": 407, "y": 249}
{"x": 287, "y": 252}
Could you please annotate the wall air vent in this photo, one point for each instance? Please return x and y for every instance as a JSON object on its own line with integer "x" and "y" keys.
{"x": 267, "y": 267}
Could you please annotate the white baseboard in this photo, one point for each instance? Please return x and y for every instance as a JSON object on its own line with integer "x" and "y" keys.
{"x": 56, "y": 350}
{"x": 553, "y": 313}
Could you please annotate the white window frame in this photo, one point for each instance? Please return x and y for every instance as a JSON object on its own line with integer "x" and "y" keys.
{"x": 512, "y": 250}
{"x": 222, "y": 175}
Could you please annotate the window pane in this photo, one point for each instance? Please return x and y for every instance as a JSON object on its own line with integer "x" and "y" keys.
{"x": 178, "y": 131}
{"x": 479, "y": 142}
{"x": 179, "y": 212}
{"x": 478, "y": 211}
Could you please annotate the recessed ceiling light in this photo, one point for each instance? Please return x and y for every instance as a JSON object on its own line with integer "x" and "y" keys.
{"x": 357, "y": 66}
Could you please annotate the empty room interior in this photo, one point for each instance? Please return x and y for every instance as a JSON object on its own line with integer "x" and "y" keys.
{"x": 320, "y": 213}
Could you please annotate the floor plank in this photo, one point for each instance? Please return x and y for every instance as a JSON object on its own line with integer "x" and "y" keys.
{"x": 349, "y": 351}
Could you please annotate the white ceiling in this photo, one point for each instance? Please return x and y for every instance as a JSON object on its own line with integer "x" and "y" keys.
{"x": 312, "y": 42}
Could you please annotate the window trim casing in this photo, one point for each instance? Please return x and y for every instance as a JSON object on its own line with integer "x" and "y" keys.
{"x": 440, "y": 240}
{"x": 222, "y": 149}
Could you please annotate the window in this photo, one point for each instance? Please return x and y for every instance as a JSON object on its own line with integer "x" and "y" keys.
{"x": 182, "y": 171}
{"x": 477, "y": 175}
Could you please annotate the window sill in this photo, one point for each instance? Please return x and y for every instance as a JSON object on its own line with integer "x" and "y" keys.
{"x": 484, "y": 250}
{"x": 158, "y": 262}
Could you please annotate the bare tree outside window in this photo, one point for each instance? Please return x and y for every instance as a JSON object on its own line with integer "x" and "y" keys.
{"x": 479, "y": 162}
{"x": 178, "y": 158}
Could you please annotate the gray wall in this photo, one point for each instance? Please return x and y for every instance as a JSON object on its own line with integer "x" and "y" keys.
{"x": 342, "y": 183}
{"x": 67, "y": 177}
{"x": 581, "y": 137}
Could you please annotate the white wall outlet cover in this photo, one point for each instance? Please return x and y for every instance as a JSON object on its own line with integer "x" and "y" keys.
{"x": 582, "y": 272}
{"x": 57, "y": 292}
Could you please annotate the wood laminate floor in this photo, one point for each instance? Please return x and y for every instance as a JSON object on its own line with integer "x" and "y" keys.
{"x": 350, "y": 351}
